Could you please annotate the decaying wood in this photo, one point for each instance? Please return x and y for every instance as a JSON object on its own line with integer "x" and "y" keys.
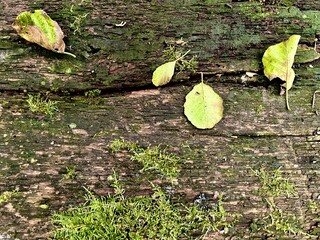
{"x": 256, "y": 131}
{"x": 112, "y": 57}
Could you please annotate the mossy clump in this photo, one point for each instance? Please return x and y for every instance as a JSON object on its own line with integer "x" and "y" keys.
{"x": 274, "y": 2}
{"x": 152, "y": 158}
{"x": 139, "y": 217}
{"x": 277, "y": 222}
{"x": 274, "y": 184}
{"x": 5, "y": 196}
{"x": 37, "y": 104}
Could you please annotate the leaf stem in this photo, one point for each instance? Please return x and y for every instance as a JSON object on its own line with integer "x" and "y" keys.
{"x": 183, "y": 55}
{"x": 314, "y": 101}
{"x": 287, "y": 100}
{"x": 70, "y": 54}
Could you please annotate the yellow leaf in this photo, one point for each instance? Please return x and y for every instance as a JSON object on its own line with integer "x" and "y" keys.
{"x": 163, "y": 74}
{"x": 278, "y": 59}
{"x": 203, "y": 106}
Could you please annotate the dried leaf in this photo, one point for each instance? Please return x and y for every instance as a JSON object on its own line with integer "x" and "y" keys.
{"x": 163, "y": 74}
{"x": 203, "y": 106}
{"x": 278, "y": 59}
{"x": 39, "y": 28}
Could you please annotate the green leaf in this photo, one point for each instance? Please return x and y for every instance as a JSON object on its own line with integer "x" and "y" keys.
{"x": 278, "y": 59}
{"x": 163, "y": 74}
{"x": 203, "y": 106}
{"x": 39, "y": 28}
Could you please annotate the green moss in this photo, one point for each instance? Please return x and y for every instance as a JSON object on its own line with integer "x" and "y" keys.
{"x": 273, "y": 183}
{"x": 254, "y": 11}
{"x": 188, "y": 152}
{"x": 137, "y": 50}
{"x": 71, "y": 172}
{"x": 37, "y": 104}
{"x": 66, "y": 66}
{"x": 9, "y": 167}
{"x": 37, "y": 4}
{"x": 259, "y": 110}
{"x": 243, "y": 96}
{"x": 139, "y": 217}
{"x": 155, "y": 159}
{"x": 182, "y": 64}
{"x": 314, "y": 207}
{"x": 78, "y": 22}
{"x": 221, "y": 33}
{"x": 5, "y": 196}
{"x": 278, "y": 223}
{"x": 275, "y": 2}
{"x": 92, "y": 93}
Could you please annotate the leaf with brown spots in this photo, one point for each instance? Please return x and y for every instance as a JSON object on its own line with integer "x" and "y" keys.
{"x": 39, "y": 28}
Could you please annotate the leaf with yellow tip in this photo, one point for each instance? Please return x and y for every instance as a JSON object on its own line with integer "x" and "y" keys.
{"x": 277, "y": 61}
{"x": 163, "y": 74}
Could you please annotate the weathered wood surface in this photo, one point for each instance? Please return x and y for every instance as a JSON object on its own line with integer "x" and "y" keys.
{"x": 256, "y": 131}
{"x": 113, "y": 57}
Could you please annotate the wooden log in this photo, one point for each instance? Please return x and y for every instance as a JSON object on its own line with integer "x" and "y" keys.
{"x": 256, "y": 132}
{"x": 227, "y": 38}
{"x": 36, "y": 151}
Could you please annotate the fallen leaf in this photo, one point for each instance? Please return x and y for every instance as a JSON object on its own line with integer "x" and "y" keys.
{"x": 203, "y": 106}
{"x": 39, "y": 28}
{"x": 306, "y": 54}
{"x": 277, "y": 61}
{"x": 163, "y": 74}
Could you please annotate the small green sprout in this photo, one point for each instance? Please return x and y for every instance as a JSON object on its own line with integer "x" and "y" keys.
{"x": 121, "y": 144}
{"x": 71, "y": 172}
{"x": 78, "y": 21}
{"x": 259, "y": 110}
{"x": 115, "y": 183}
{"x": 172, "y": 54}
{"x": 78, "y": 16}
{"x": 37, "y": 104}
{"x": 92, "y": 93}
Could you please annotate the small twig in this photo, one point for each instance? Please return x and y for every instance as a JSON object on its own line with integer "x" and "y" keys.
{"x": 314, "y": 101}
{"x": 122, "y": 24}
{"x": 183, "y": 55}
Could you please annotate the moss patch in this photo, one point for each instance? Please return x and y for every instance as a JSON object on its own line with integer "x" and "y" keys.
{"x": 154, "y": 159}
{"x": 139, "y": 217}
